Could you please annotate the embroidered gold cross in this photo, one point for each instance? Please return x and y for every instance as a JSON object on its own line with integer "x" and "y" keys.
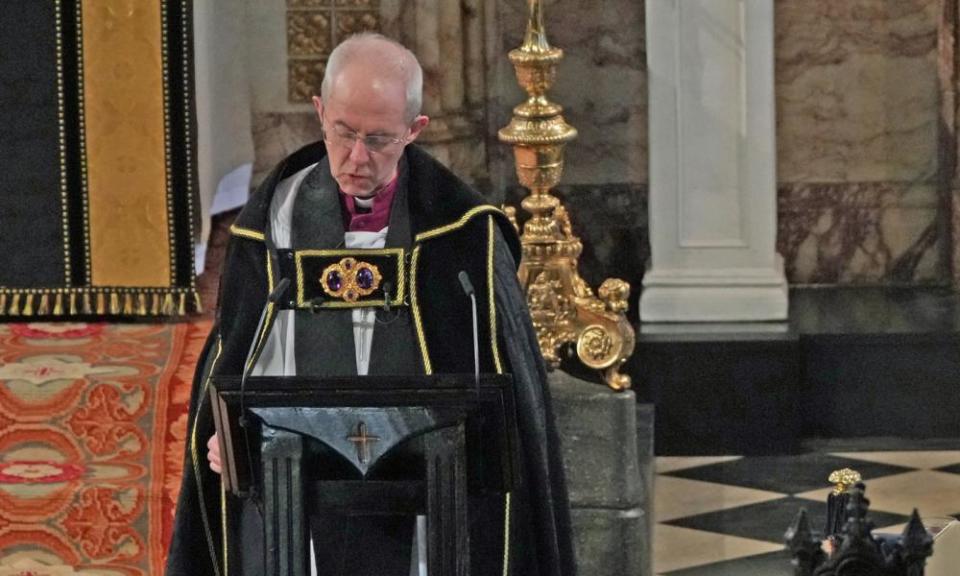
{"x": 362, "y": 441}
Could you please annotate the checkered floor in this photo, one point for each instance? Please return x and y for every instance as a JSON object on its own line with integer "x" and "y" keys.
{"x": 726, "y": 515}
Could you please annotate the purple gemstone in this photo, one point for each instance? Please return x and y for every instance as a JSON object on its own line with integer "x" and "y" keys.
{"x": 365, "y": 278}
{"x": 334, "y": 282}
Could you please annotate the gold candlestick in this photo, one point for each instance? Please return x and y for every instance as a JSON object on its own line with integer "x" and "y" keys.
{"x": 563, "y": 308}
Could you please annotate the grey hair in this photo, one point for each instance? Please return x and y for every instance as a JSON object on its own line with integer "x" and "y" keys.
{"x": 407, "y": 65}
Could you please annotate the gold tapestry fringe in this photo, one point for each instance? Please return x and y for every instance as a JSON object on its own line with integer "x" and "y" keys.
{"x": 44, "y": 308}
{"x": 27, "y": 305}
{"x": 101, "y": 302}
{"x": 166, "y": 308}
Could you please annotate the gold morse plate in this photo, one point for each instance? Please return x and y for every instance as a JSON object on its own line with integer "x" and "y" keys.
{"x": 355, "y": 279}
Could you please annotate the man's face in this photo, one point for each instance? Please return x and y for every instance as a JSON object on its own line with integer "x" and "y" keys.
{"x": 365, "y": 130}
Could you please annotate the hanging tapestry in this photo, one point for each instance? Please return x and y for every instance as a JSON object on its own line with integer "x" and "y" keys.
{"x": 97, "y": 156}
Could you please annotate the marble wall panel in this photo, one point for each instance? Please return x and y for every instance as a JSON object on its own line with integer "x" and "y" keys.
{"x": 861, "y": 233}
{"x": 857, "y": 91}
{"x": 858, "y": 108}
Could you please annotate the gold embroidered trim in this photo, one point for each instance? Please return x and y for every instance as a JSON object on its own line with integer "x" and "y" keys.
{"x": 414, "y": 305}
{"x": 506, "y": 534}
{"x": 62, "y": 140}
{"x": 269, "y": 273}
{"x": 246, "y": 233}
{"x": 223, "y": 527}
{"x": 458, "y": 224}
{"x": 165, "y": 67}
{"x": 186, "y": 54}
{"x": 194, "y": 453}
{"x": 82, "y": 130}
{"x": 491, "y": 295}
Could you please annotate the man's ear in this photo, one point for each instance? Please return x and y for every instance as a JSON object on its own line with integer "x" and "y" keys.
{"x": 419, "y": 123}
{"x": 318, "y": 106}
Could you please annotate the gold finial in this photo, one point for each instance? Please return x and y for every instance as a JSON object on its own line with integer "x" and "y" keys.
{"x": 564, "y": 310}
{"x": 843, "y": 479}
{"x": 535, "y": 40}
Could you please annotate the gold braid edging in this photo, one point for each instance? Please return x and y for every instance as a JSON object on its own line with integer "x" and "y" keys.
{"x": 196, "y": 463}
{"x": 506, "y": 534}
{"x": 461, "y": 222}
{"x": 415, "y": 306}
{"x": 492, "y": 295}
{"x": 246, "y": 233}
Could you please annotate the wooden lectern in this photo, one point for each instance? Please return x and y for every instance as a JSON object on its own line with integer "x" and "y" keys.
{"x": 462, "y": 430}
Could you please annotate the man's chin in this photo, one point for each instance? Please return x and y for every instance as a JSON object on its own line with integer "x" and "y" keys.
{"x": 356, "y": 187}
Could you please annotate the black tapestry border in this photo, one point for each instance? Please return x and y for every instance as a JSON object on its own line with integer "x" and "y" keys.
{"x": 70, "y": 258}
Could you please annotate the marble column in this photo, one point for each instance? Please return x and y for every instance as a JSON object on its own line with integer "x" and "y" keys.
{"x": 713, "y": 218}
{"x": 447, "y": 39}
{"x": 949, "y": 144}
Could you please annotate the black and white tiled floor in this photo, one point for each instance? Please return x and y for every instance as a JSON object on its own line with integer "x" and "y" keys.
{"x": 719, "y": 516}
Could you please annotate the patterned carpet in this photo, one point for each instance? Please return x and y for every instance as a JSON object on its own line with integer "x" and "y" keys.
{"x": 92, "y": 425}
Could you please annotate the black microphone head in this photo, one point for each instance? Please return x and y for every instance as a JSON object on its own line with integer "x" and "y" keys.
{"x": 465, "y": 283}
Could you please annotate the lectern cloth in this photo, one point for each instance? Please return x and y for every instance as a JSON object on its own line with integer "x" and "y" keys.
{"x": 451, "y": 229}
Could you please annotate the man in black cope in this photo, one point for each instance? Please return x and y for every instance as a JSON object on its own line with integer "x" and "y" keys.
{"x": 367, "y": 188}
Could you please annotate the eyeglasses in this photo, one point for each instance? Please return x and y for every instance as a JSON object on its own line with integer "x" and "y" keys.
{"x": 343, "y": 136}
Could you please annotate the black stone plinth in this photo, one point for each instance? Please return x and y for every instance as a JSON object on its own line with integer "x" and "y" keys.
{"x": 850, "y": 362}
{"x": 719, "y": 388}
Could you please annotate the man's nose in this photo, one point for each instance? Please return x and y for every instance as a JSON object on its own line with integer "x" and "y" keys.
{"x": 358, "y": 152}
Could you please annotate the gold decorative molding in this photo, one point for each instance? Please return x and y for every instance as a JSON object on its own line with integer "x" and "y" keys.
{"x": 305, "y": 77}
{"x": 308, "y": 34}
{"x": 314, "y": 27}
{"x": 563, "y": 308}
{"x": 360, "y": 21}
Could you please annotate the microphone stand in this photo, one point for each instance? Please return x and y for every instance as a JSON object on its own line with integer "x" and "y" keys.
{"x": 469, "y": 291}
{"x": 253, "y": 354}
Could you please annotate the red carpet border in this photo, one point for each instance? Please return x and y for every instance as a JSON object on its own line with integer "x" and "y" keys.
{"x": 92, "y": 429}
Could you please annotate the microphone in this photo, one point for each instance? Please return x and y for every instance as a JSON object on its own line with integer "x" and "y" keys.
{"x": 252, "y": 356}
{"x": 387, "y": 286}
{"x": 468, "y": 291}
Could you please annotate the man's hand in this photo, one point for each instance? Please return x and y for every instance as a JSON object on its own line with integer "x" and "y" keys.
{"x": 213, "y": 453}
